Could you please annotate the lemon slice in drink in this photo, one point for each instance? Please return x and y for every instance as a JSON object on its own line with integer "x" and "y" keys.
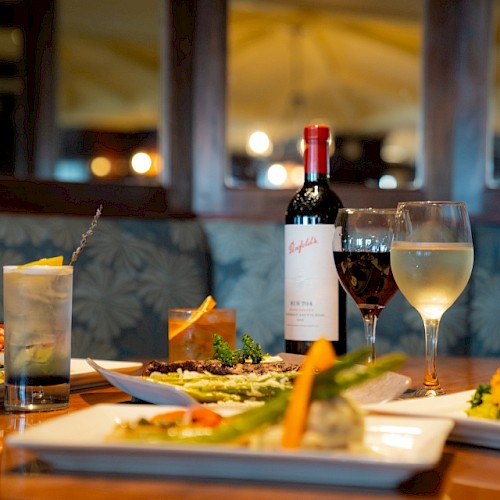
{"x": 207, "y": 305}
{"x": 50, "y": 261}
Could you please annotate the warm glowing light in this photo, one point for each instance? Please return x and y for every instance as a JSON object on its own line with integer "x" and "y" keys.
{"x": 141, "y": 163}
{"x": 400, "y": 146}
{"x": 260, "y": 144}
{"x": 100, "y": 166}
{"x": 393, "y": 153}
{"x": 277, "y": 174}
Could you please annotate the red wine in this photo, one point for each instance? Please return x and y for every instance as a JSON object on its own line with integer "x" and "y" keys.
{"x": 314, "y": 300}
{"x": 367, "y": 278}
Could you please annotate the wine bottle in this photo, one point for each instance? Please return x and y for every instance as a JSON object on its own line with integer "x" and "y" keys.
{"x": 315, "y": 303}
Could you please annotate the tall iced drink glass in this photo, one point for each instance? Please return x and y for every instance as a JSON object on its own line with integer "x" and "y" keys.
{"x": 37, "y": 322}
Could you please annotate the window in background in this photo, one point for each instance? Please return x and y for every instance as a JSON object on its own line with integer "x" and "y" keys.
{"x": 108, "y": 90}
{"x": 493, "y": 169}
{"x": 355, "y": 66}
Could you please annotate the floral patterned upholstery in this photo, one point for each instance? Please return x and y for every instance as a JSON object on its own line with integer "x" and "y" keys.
{"x": 248, "y": 274}
{"x": 127, "y": 277}
{"x": 133, "y": 270}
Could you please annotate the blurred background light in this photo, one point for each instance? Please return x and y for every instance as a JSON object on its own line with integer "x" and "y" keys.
{"x": 100, "y": 166}
{"x": 141, "y": 162}
{"x": 259, "y": 144}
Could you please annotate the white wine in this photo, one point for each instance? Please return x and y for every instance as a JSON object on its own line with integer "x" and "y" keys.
{"x": 431, "y": 275}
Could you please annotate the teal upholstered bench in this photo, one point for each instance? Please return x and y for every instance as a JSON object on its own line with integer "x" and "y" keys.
{"x": 247, "y": 261}
{"x": 127, "y": 277}
{"x": 133, "y": 270}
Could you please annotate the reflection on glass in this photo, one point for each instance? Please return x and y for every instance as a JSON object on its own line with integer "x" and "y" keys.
{"x": 357, "y": 70}
{"x": 108, "y": 90}
{"x": 289, "y": 63}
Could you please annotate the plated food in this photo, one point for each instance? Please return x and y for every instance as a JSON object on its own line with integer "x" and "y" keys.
{"x": 315, "y": 412}
{"x": 469, "y": 430}
{"x": 311, "y": 433}
{"x": 394, "y": 449}
{"x": 486, "y": 400}
{"x": 231, "y": 375}
{"x": 211, "y": 381}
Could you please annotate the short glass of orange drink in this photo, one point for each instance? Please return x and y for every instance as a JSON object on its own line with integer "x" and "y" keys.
{"x": 191, "y": 333}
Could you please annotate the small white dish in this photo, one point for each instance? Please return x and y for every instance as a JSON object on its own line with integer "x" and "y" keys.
{"x": 396, "y": 449}
{"x": 469, "y": 430}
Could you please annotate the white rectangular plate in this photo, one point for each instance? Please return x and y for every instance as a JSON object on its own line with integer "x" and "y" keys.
{"x": 82, "y": 375}
{"x": 470, "y": 430}
{"x": 397, "y": 448}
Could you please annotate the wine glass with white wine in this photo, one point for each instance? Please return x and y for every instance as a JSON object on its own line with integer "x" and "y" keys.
{"x": 431, "y": 258}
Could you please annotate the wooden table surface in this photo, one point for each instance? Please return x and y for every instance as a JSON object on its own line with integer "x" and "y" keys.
{"x": 464, "y": 471}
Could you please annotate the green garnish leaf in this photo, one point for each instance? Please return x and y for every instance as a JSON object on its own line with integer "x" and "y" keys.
{"x": 481, "y": 390}
{"x": 250, "y": 351}
{"x": 223, "y": 352}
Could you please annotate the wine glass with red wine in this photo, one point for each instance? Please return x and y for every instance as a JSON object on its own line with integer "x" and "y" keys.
{"x": 361, "y": 251}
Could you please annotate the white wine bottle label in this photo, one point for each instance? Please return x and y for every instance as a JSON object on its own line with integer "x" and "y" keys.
{"x": 311, "y": 283}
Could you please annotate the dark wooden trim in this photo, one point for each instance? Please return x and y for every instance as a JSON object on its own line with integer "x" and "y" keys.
{"x": 181, "y": 15}
{"x": 257, "y": 204}
{"x": 29, "y": 196}
{"x": 36, "y": 133}
{"x": 209, "y": 117}
{"x": 457, "y": 73}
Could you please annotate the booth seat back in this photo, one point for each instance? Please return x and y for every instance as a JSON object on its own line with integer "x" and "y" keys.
{"x": 133, "y": 270}
{"x": 248, "y": 266}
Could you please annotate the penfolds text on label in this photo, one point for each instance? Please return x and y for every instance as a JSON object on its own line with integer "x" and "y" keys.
{"x": 293, "y": 247}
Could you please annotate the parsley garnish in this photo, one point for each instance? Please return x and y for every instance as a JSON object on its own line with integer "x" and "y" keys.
{"x": 250, "y": 351}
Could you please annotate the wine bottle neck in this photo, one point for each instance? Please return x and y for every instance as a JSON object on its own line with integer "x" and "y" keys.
{"x": 316, "y": 160}
{"x": 316, "y": 178}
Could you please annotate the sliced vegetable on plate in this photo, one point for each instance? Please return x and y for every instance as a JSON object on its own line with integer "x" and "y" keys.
{"x": 318, "y": 392}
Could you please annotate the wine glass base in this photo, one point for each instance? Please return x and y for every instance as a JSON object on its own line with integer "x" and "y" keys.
{"x": 428, "y": 392}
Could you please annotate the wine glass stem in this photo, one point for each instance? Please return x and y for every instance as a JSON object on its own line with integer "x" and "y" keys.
{"x": 431, "y": 339}
{"x": 370, "y": 324}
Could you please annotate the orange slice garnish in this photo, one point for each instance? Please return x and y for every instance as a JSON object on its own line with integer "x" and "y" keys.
{"x": 50, "y": 261}
{"x": 207, "y": 305}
